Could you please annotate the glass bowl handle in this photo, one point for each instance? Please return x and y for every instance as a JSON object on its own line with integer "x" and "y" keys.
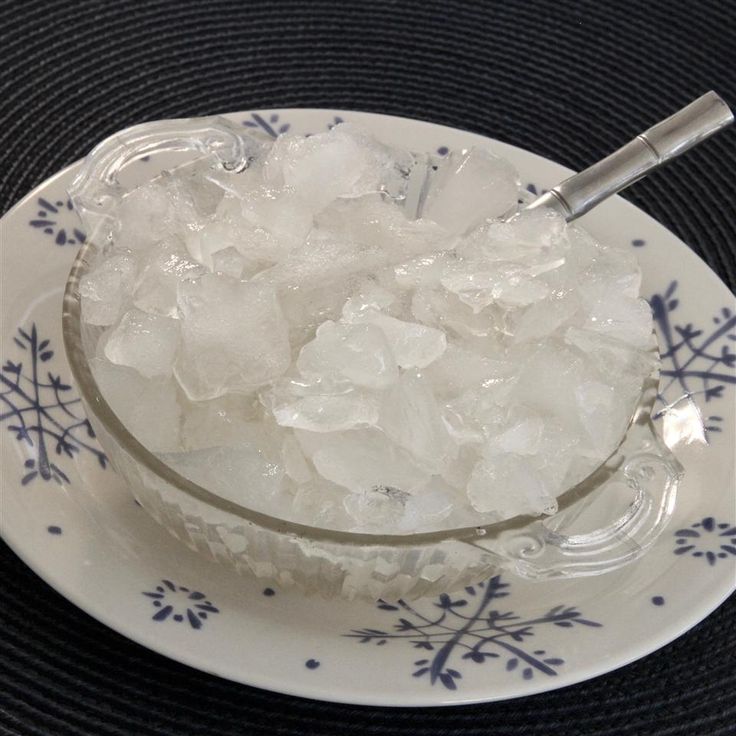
{"x": 643, "y": 469}
{"x": 96, "y": 191}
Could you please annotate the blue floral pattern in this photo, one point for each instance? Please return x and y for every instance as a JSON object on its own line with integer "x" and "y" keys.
{"x": 708, "y": 538}
{"x": 267, "y": 123}
{"x": 460, "y": 630}
{"x": 180, "y": 604}
{"x": 696, "y": 361}
{"x": 52, "y": 220}
{"x": 42, "y": 411}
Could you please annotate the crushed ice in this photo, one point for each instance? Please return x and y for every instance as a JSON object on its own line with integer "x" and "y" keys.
{"x": 290, "y": 338}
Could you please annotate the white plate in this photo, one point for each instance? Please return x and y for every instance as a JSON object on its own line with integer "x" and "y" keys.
{"x": 76, "y": 525}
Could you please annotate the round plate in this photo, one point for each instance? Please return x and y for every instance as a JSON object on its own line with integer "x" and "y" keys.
{"x": 67, "y": 514}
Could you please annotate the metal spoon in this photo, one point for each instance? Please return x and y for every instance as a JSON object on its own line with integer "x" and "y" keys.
{"x": 648, "y": 151}
{"x": 579, "y": 193}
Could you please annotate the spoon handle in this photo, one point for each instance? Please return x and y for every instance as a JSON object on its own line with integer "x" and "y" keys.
{"x": 648, "y": 151}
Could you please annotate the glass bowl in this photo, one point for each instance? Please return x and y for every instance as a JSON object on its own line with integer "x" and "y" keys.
{"x": 604, "y": 522}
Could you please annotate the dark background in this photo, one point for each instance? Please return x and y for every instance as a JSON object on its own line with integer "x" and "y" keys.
{"x": 570, "y": 81}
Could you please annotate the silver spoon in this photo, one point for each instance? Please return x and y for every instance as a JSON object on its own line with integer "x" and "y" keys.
{"x": 579, "y": 193}
{"x": 648, "y": 151}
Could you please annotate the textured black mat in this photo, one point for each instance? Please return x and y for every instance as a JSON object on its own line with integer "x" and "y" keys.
{"x": 567, "y": 80}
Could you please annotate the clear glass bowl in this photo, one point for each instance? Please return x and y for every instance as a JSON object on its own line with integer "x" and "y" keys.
{"x": 608, "y": 520}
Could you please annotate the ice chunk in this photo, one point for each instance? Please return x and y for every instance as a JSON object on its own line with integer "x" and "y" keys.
{"x": 342, "y": 162}
{"x": 106, "y": 288}
{"x": 153, "y": 211}
{"x": 368, "y": 223}
{"x": 321, "y": 406}
{"x": 144, "y": 214}
{"x": 361, "y": 459}
{"x": 147, "y": 407}
{"x": 459, "y": 369}
{"x": 358, "y": 353}
{"x": 234, "y": 337}
{"x": 521, "y": 438}
{"x": 424, "y": 271}
{"x": 379, "y": 508}
{"x": 508, "y": 485}
{"x": 228, "y": 261}
{"x": 428, "y": 506}
{"x": 471, "y": 186}
{"x": 412, "y": 344}
{"x": 295, "y": 464}
{"x": 145, "y": 342}
{"x": 508, "y": 284}
{"x": 544, "y": 317}
{"x": 602, "y": 417}
{"x": 320, "y": 503}
{"x": 163, "y": 268}
{"x": 439, "y": 308}
{"x": 249, "y": 474}
{"x": 614, "y": 314}
{"x": 369, "y": 296}
{"x": 548, "y": 381}
{"x": 307, "y": 308}
{"x": 411, "y": 417}
{"x": 228, "y": 420}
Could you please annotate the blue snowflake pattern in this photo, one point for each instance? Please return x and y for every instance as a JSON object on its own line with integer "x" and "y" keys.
{"x": 695, "y": 361}
{"x": 707, "y": 538}
{"x": 42, "y": 411}
{"x": 179, "y": 603}
{"x": 51, "y": 218}
{"x": 459, "y": 630}
{"x": 269, "y": 124}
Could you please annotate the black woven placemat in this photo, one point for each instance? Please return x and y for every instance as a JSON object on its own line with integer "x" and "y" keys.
{"x": 569, "y": 80}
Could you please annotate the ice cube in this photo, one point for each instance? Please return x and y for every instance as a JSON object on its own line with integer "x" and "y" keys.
{"x": 614, "y": 314}
{"x": 234, "y": 337}
{"x": 248, "y": 474}
{"x": 508, "y": 285}
{"x": 357, "y": 353}
{"x": 147, "y": 407}
{"x": 320, "y": 503}
{"x": 413, "y": 345}
{"x": 321, "y": 406}
{"x": 144, "y": 214}
{"x": 369, "y": 223}
{"x": 163, "y": 268}
{"x": 380, "y": 508}
{"x": 306, "y": 308}
{"x": 544, "y": 317}
{"x": 428, "y": 506}
{"x": 363, "y": 458}
{"x": 295, "y": 464}
{"x": 173, "y": 203}
{"x": 411, "y": 417}
{"x": 369, "y": 295}
{"x": 459, "y": 369}
{"x": 469, "y": 187}
{"x": 509, "y": 486}
{"x": 106, "y": 288}
{"x": 522, "y": 437}
{"x": 227, "y": 420}
{"x": 602, "y": 417}
{"x": 548, "y": 380}
{"x": 145, "y": 342}
{"x": 229, "y": 262}
{"x": 424, "y": 271}
{"x": 342, "y": 162}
